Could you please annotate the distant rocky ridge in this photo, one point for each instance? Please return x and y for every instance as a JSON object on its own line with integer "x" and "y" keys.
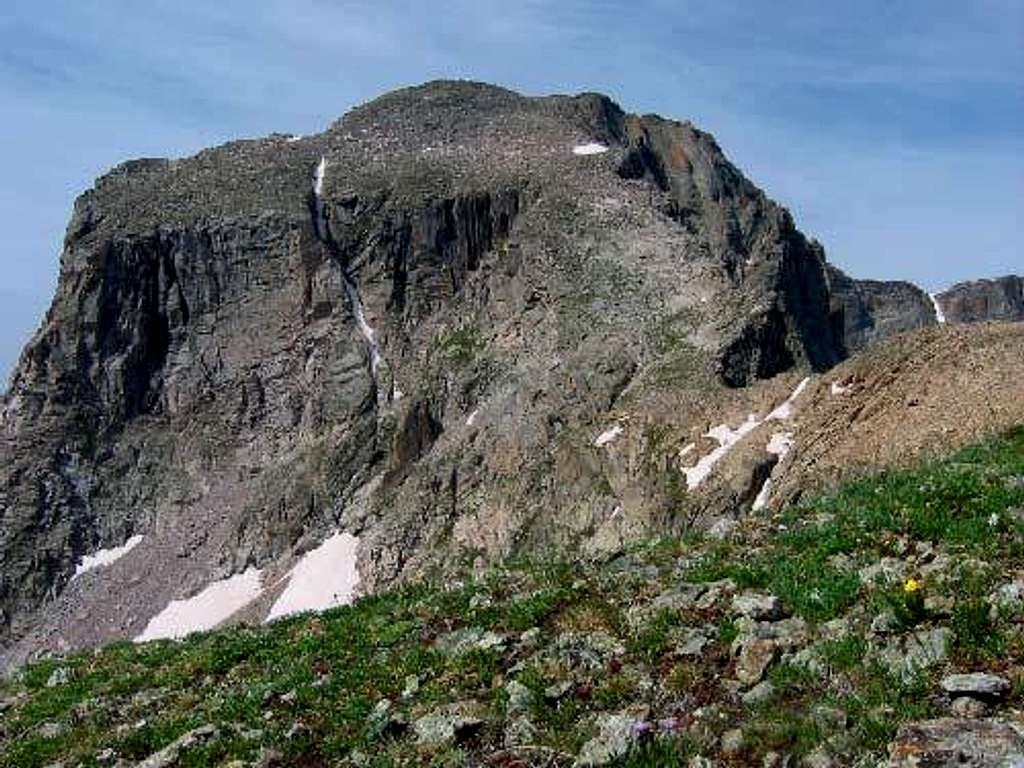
{"x": 458, "y": 326}
{"x": 982, "y": 300}
{"x": 868, "y": 310}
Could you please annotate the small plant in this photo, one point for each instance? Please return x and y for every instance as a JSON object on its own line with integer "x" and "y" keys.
{"x": 907, "y": 604}
{"x": 977, "y": 637}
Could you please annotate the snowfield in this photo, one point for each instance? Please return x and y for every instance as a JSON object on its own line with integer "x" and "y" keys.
{"x": 325, "y": 577}
{"x": 206, "y": 610}
{"x": 104, "y": 557}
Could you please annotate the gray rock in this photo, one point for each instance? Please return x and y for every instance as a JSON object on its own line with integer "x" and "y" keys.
{"x": 169, "y": 755}
{"x": 463, "y": 641}
{"x": 810, "y": 660}
{"x": 871, "y": 310}
{"x": 758, "y": 606}
{"x": 723, "y": 529}
{"x": 754, "y": 659}
{"x": 693, "y": 641}
{"x": 957, "y": 742}
{"x": 976, "y": 684}
{"x": 519, "y": 731}
{"x": 920, "y": 650}
{"x": 519, "y": 698}
{"x": 1008, "y": 599}
{"x": 969, "y": 707}
{"x": 732, "y": 742}
{"x": 555, "y": 691}
{"x": 59, "y": 676}
{"x": 818, "y": 758}
{"x": 888, "y": 570}
{"x": 885, "y": 623}
{"x": 447, "y": 726}
{"x": 51, "y": 730}
{"x": 615, "y": 735}
{"x": 761, "y": 693}
{"x": 676, "y": 599}
{"x": 977, "y": 301}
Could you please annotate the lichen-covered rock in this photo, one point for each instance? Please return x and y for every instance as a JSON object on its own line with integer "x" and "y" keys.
{"x": 977, "y": 684}
{"x": 957, "y": 742}
{"x": 448, "y": 725}
{"x": 616, "y": 733}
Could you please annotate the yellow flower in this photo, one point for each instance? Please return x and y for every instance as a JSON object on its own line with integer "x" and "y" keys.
{"x": 911, "y": 585}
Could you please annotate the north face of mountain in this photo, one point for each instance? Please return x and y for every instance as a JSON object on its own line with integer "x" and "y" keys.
{"x": 450, "y": 327}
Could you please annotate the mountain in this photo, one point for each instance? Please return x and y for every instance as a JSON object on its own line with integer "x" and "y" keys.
{"x": 459, "y": 326}
{"x": 981, "y": 300}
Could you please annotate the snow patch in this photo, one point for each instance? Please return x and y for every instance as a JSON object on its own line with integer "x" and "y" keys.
{"x": 839, "y": 389}
{"x": 608, "y": 436}
{"x": 295, "y": 137}
{"x": 104, "y": 557}
{"x": 762, "y": 497}
{"x": 780, "y": 443}
{"x": 727, "y": 438}
{"x": 325, "y": 577}
{"x": 318, "y": 177}
{"x": 364, "y": 327}
{"x": 785, "y": 411}
{"x": 204, "y": 611}
{"x": 687, "y": 450}
{"x": 592, "y": 148}
{"x": 940, "y": 316}
{"x": 471, "y": 419}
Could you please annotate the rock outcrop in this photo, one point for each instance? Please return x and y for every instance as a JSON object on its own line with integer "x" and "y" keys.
{"x": 980, "y": 300}
{"x": 410, "y": 328}
{"x": 866, "y": 311}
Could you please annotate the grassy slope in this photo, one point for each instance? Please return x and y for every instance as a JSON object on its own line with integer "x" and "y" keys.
{"x": 306, "y": 687}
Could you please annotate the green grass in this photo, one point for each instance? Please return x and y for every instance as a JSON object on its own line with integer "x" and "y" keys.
{"x": 326, "y": 673}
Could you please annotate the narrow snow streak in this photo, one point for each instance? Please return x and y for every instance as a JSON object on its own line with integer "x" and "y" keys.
{"x": 318, "y": 178}
{"x": 762, "y": 497}
{"x": 785, "y": 410}
{"x": 940, "y": 316}
{"x": 471, "y": 419}
{"x": 608, "y": 436}
{"x": 351, "y": 288}
{"x": 592, "y": 148}
{"x": 324, "y": 578}
{"x": 204, "y": 611}
{"x": 728, "y": 438}
{"x": 364, "y": 327}
{"x": 104, "y": 557}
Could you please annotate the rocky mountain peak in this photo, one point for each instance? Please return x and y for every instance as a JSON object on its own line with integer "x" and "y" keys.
{"x": 458, "y": 326}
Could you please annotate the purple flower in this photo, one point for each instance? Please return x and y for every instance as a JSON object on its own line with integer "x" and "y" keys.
{"x": 670, "y": 724}
{"x": 642, "y": 728}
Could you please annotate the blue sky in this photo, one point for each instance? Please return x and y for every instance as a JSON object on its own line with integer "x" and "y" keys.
{"x": 892, "y": 129}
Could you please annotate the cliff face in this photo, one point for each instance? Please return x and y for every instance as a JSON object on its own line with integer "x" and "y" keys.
{"x": 866, "y": 311}
{"x": 412, "y": 328}
{"x": 980, "y": 300}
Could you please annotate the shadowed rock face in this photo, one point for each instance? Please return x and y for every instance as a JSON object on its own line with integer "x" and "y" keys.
{"x": 981, "y": 300}
{"x": 410, "y": 327}
{"x": 866, "y": 311}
